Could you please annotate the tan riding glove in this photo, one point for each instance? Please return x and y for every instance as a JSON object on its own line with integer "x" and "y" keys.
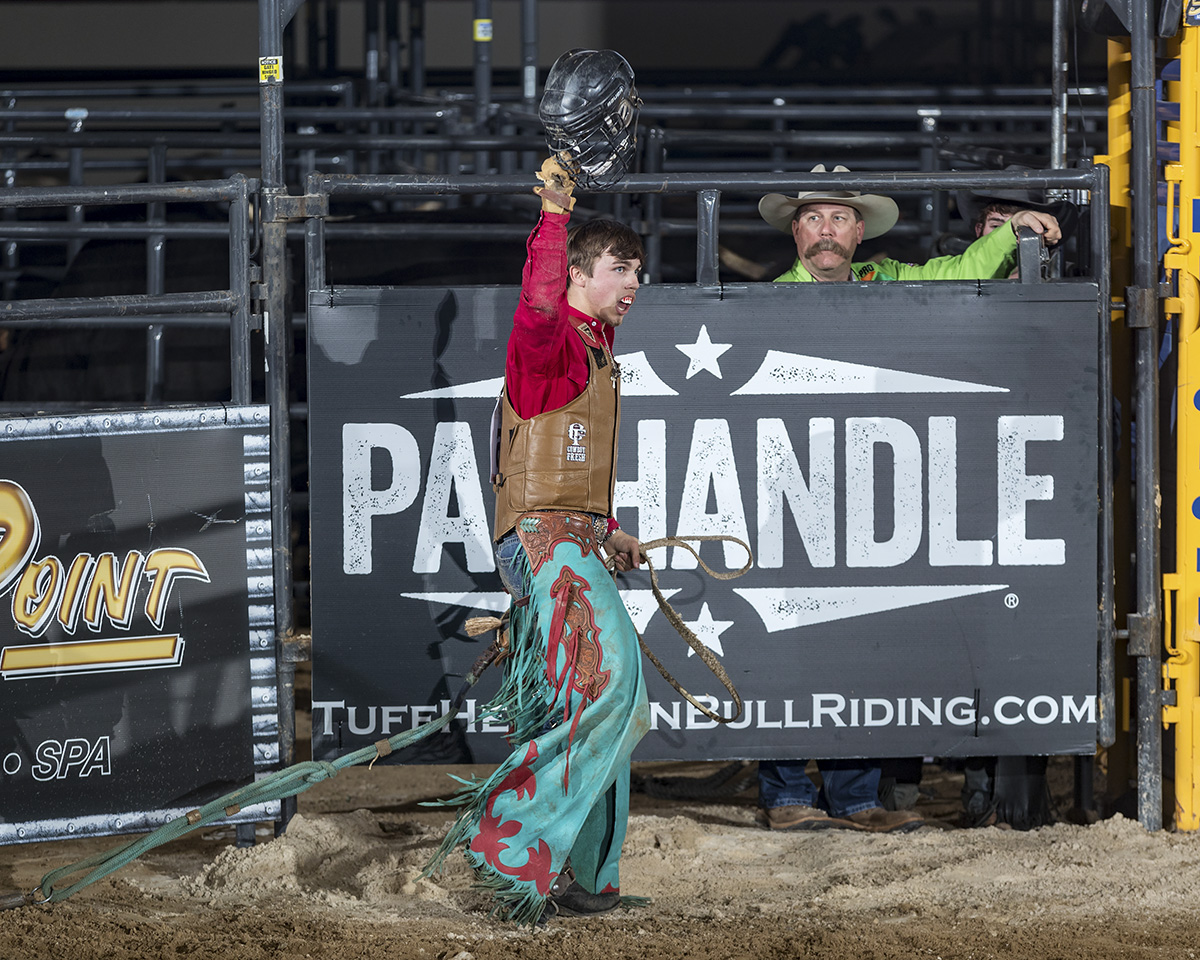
{"x": 556, "y": 194}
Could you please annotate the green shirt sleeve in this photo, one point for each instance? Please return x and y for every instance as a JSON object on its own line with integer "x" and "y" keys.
{"x": 990, "y": 257}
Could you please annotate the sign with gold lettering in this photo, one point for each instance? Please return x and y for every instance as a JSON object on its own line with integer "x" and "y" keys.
{"x": 136, "y": 617}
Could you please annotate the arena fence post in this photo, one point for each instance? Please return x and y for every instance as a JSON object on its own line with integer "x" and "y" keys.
{"x": 481, "y": 32}
{"x": 278, "y": 334}
{"x": 1101, "y": 257}
{"x": 416, "y": 47}
{"x": 1141, "y": 301}
{"x": 1181, "y": 265}
{"x": 156, "y": 275}
{"x": 239, "y": 286}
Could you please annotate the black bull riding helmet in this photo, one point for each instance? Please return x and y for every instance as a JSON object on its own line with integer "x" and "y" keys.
{"x": 590, "y": 112}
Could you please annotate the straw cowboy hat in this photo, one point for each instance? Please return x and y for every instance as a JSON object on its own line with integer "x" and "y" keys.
{"x": 879, "y": 213}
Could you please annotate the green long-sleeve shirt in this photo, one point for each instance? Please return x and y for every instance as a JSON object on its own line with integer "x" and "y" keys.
{"x": 990, "y": 257}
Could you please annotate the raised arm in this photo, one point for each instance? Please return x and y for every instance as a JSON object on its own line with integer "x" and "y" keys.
{"x": 544, "y": 278}
{"x": 539, "y": 325}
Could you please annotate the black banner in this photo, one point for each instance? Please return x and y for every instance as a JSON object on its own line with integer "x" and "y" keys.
{"x": 914, "y": 466}
{"x": 137, "y": 650}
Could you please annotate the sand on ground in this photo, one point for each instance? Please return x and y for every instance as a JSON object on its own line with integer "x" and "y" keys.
{"x": 343, "y": 883}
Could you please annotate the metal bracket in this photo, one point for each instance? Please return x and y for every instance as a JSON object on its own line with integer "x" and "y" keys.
{"x": 296, "y": 648}
{"x": 1141, "y": 307}
{"x": 278, "y": 206}
{"x": 258, "y": 293}
{"x": 1143, "y": 635}
{"x": 1030, "y": 254}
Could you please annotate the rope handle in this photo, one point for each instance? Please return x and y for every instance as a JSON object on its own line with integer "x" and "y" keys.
{"x": 682, "y": 628}
{"x": 479, "y": 625}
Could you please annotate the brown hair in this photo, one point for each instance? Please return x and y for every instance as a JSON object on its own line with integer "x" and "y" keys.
{"x": 1004, "y": 209}
{"x": 589, "y": 241}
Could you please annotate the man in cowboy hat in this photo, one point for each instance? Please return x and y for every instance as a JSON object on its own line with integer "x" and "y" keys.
{"x": 986, "y": 210}
{"x": 828, "y": 226}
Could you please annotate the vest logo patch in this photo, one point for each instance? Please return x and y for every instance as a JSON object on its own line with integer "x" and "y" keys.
{"x": 576, "y": 452}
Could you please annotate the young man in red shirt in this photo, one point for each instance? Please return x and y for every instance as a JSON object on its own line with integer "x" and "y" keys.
{"x": 573, "y": 692}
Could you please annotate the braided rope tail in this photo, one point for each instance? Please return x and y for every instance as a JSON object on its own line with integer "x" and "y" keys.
{"x": 672, "y": 615}
{"x": 279, "y": 785}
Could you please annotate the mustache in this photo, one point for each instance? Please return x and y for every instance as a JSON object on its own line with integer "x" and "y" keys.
{"x": 827, "y": 245}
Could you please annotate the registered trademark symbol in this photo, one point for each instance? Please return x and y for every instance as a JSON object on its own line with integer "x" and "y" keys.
{"x": 1011, "y": 600}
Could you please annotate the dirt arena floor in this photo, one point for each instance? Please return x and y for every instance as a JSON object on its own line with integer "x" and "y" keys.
{"x": 342, "y": 884}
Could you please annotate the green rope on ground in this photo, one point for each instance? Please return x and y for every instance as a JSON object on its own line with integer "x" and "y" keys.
{"x": 277, "y": 786}
{"x": 284, "y": 783}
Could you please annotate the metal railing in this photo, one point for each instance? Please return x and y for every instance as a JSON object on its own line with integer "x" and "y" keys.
{"x": 652, "y": 188}
{"x": 158, "y": 307}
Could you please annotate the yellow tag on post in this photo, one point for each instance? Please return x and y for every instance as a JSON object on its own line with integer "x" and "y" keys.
{"x": 270, "y": 69}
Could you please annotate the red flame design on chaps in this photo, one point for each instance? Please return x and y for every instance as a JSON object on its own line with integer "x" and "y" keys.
{"x": 489, "y": 842}
{"x": 584, "y": 656}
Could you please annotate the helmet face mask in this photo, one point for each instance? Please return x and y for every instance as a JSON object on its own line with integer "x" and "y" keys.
{"x": 590, "y": 112}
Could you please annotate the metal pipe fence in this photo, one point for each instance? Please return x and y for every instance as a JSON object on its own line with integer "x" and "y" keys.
{"x": 652, "y": 188}
{"x": 158, "y": 307}
{"x": 665, "y": 150}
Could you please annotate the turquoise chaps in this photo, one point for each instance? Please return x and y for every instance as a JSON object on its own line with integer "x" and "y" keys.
{"x": 575, "y": 701}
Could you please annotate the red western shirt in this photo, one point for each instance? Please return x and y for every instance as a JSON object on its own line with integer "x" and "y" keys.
{"x": 547, "y": 365}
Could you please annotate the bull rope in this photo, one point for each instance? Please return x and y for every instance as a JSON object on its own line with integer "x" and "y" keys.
{"x": 478, "y": 625}
{"x": 300, "y": 777}
{"x": 709, "y": 658}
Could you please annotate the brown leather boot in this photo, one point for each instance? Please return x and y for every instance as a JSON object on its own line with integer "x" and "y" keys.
{"x": 796, "y": 817}
{"x": 879, "y": 820}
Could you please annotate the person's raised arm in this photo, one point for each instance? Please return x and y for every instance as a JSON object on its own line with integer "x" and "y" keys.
{"x": 538, "y": 327}
{"x": 545, "y": 275}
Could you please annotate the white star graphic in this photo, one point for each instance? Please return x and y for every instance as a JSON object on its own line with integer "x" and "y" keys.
{"x": 703, "y": 354}
{"x": 708, "y": 631}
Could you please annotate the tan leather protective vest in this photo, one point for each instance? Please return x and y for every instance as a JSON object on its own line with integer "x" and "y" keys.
{"x": 564, "y": 459}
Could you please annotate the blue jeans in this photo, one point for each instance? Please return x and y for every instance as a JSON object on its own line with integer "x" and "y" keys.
{"x": 512, "y": 565}
{"x": 850, "y": 785}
